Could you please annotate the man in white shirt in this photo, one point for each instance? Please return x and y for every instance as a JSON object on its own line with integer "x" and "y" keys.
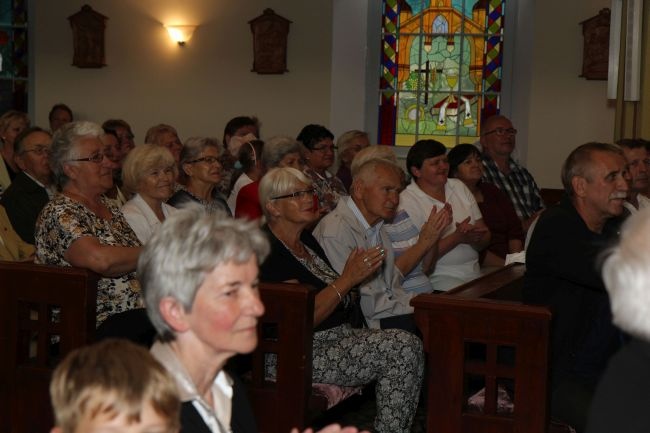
{"x": 358, "y": 222}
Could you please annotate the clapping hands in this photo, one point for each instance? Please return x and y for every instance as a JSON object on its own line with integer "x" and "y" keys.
{"x": 470, "y": 233}
{"x": 435, "y": 225}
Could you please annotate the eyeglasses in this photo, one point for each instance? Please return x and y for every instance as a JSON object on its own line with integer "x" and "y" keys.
{"x": 96, "y": 158}
{"x": 324, "y": 149}
{"x": 206, "y": 159}
{"x": 38, "y": 150}
{"x": 501, "y": 131}
{"x": 298, "y": 194}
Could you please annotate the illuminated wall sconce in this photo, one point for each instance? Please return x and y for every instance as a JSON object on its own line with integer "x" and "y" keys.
{"x": 180, "y": 34}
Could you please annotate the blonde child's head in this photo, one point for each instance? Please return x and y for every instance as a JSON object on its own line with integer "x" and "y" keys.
{"x": 114, "y": 383}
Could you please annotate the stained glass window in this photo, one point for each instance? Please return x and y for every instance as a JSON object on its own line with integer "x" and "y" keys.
{"x": 13, "y": 55}
{"x": 441, "y": 69}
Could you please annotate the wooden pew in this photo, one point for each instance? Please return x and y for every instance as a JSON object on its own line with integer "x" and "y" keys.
{"x": 36, "y": 338}
{"x": 286, "y": 330}
{"x": 485, "y": 316}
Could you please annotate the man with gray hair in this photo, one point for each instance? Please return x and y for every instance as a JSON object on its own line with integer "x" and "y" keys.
{"x": 358, "y": 222}
{"x": 621, "y": 399}
{"x": 561, "y": 273}
{"x": 30, "y": 190}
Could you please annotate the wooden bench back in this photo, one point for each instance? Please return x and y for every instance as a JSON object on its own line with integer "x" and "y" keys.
{"x": 484, "y": 317}
{"x": 46, "y": 312}
{"x": 286, "y": 330}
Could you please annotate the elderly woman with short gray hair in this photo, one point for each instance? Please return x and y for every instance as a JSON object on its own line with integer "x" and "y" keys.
{"x": 80, "y": 227}
{"x": 199, "y": 279}
{"x": 200, "y": 282}
{"x": 200, "y": 174}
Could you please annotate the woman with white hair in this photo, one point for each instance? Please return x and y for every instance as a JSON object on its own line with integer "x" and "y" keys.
{"x": 80, "y": 227}
{"x": 621, "y": 400}
{"x": 200, "y": 281}
{"x": 344, "y": 353}
{"x": 200, "y": 174}
{"x": 149, "y": 172}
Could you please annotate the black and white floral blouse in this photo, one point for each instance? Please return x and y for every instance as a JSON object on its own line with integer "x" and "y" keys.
{"x": 62, "y": 222}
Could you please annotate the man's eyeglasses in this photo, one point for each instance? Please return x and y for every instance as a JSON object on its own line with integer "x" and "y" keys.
{"x": 298, "y": 194}
{"x": 38, "y": 150}
{"x": 206, "y": 159}
{"x": 96, "y": 158}
{"x": 324, "y": 149}
{"x": 501, "y": 132}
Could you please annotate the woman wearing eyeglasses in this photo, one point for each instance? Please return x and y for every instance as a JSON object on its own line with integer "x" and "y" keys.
{"x": 81, "y": 227}
{"x": 319, "y": 152}
{"x": 344, "y": 353}
{"x": 200, "y": 173}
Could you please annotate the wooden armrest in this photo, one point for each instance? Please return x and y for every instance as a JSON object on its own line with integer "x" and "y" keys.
{"x": 46, "y": 312}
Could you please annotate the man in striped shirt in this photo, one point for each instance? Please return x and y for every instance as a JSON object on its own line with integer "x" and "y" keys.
{"x": 498, "y": 143}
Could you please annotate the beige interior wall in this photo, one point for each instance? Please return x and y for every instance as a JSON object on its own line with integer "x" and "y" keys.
{"x": 149, "y": 79}
{"x": 565, "y": 110}
{"x": 642, "y": 123}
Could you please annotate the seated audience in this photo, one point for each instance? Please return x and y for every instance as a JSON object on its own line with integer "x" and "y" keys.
{"x": 60, "y": 114}
{"x": 31, "y": 188}
{"x": 12, "y": 123}
{"x": 280, "y": 151}
{"x": 205, "y": 308}
{"x": 496, "y": 208}
{"x": 637, "y": 158}
{"x": 344, "y": 353}
{"x": 148, "y": 172}
{"x": 80, "y": 227}
{"x": 349, "y": 144}
{"x": 561, "y": 273}
{"x": 165, "y": 136}
{"x": 200, "y": 173}
{"x": 112, "y": 152}
{"x": 12, "y": 247}
{"x": 358, "y": 222}
{"x": 319, "y": 156}
{"x": 250, "y": 169}
{"x": 498, "y": 142}
{"x": 123, "y": 133}
{"x": 113, "y": 386}
{"x": 240, "y": 126}
{"x": 466, "y": 235}
{"x": 622, "y": 397}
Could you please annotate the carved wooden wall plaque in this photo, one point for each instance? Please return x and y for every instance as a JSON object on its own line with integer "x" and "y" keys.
{"x": 595, "y": 55}
{"x": 270, "y": 36}
{"x": 88, "y": 29}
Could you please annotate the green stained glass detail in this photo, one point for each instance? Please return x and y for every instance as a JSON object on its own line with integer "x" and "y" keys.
{"x": 449, "y": 55}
